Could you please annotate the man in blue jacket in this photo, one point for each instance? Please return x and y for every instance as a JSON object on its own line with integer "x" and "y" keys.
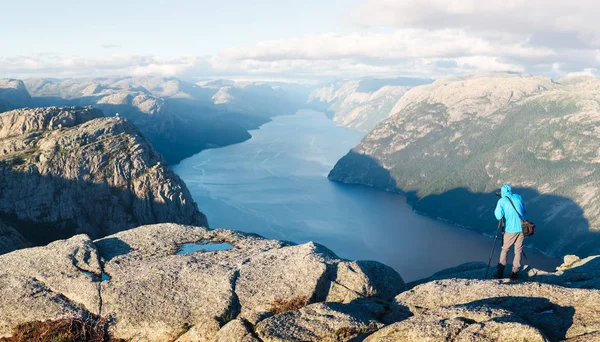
{"x": 513, "y": 233}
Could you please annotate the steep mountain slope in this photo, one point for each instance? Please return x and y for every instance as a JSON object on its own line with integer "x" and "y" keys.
{"x": 67, "y": 170}
{"x": 361, "y": 104}
{"x": 179, "y": 118}
{"x": 452, "y": 143}
{"x": 13, "y": 94}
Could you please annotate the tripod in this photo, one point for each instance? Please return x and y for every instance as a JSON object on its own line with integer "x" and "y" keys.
{"x": 493, "y": 247}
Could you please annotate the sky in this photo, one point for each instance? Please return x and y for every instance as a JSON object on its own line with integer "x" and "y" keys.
{"x": 301, "y": 40}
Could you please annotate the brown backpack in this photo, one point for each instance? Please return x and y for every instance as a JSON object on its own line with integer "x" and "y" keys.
{"x": 528, "y": 227}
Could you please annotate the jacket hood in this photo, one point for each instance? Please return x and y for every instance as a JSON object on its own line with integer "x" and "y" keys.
{"x": 506, "y": 190}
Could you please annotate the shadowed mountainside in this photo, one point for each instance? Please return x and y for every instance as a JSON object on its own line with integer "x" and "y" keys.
{"x": 478, "y": 132}
{"x": 561, "y": 224}
{"x": 68, "y": 170}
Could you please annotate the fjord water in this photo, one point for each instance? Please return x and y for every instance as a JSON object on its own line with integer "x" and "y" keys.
{"x": 276, "y": 185}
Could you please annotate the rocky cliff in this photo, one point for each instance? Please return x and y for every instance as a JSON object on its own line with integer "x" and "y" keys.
{"x": 363, "y": 103}
{"x": 451, "y": 144}
{"x": 149, "y": 286}
{"x": 68, "y": 170}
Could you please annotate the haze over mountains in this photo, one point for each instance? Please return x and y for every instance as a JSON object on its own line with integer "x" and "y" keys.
{"x": 179, "y": 118}
{"x": 361, "y": 103}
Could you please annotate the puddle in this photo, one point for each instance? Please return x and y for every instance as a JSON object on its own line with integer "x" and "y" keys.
{"x": 189, "y": 248}
{"x": 104, "y": 277}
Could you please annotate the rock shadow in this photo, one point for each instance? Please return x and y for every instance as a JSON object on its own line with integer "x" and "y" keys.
{"x": 44, "y": 208}
{"x": 562, "y": 227}
{"x": 110, "y": 248}
{"x": 551, "y": 319}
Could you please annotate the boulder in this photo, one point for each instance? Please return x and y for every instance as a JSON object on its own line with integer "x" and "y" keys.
{"x": 460, "y": 323}
{"x": 26, "y": 299}
{"x": 236, "y": 330}
{"x": 154, "y": 286}
{"x": 320, "y": 322}
{"x": 285, "y": 274}
{"x": 352, "y": 276}
{"x": 557, "y": 312}
{"x": 69, "y": 268}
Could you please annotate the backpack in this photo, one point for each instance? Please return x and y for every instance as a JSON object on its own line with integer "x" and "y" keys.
{"x": 527, "y": 226}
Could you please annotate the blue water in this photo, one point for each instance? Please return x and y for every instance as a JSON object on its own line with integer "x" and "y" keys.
{"x": 276, "y": 185}
{"x": 189, "y": 248}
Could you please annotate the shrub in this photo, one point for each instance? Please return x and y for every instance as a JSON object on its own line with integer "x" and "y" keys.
{"x": 280, "y": 306}
{"x": 63, "y": 330}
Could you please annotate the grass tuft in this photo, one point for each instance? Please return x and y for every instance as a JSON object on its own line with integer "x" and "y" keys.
{"x": 280, "y": 306}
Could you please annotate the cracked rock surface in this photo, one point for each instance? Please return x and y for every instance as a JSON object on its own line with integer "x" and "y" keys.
{"x": 140, "y": 278}
{"x": 153, "y": 289}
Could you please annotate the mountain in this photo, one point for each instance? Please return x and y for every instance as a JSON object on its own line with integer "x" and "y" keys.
{"x": 148, "y": 284}
{"x": 363, "y": 103}
{"x": 451, "y": 144}
{"x": 13, "y": 94}
{"x": 263, "y": 99}
{"x": 68, "y": 170}
{"x": 179, "y": 118}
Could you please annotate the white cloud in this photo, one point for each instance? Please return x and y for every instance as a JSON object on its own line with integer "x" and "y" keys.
{"x": 427, "y": 38}
{"x": 578, "y": 17}
{"x": 405, "y": 43}
{"x": 55, "y": 65}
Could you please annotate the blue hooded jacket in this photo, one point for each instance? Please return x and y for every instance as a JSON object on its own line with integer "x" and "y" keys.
{"x": 505, "y": 209}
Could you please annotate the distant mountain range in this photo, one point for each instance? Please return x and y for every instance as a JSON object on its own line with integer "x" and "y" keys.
{"x": 451, "y": 144}
{"x": 361, "y": 103}
{"x": 179, "y": 118}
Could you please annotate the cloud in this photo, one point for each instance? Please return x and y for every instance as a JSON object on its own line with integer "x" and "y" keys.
{"x": 110, "y": 46}
{"x": 404, "y": 43}
{"x": 577, "y": 17}
{"x": 439, "y": 37}
{"x": 56, "y": 65}
{"x": 427, "y": 38}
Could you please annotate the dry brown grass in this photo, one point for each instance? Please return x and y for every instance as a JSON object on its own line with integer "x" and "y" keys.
{"x": 63, "y": 330}
{"x": 280, "y": 306}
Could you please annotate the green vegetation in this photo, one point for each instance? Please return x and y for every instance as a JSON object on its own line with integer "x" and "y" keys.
{"x": 533, "y": 143}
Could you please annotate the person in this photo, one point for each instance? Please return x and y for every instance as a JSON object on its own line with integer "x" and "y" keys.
{"x": 513, "y": 232}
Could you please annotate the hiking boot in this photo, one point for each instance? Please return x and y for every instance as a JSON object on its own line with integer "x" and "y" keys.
{"x": 499, "y": 272}
{"x": 514, "y": 276}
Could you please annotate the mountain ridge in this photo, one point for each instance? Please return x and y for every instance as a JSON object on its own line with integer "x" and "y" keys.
{"x": 461, "y": 138}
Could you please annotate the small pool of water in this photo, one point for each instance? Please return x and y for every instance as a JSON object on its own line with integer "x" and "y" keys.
{"x": 105, "y": 277}
{"x": 189, "y": 248}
